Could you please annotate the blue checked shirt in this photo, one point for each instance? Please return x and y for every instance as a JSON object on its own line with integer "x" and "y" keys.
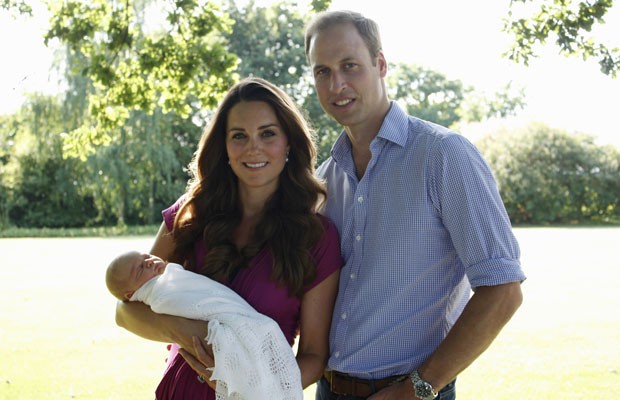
{"x": 424, "y": 225}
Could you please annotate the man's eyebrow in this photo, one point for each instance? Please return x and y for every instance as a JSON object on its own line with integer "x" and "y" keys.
{"x": 344, "y": 60}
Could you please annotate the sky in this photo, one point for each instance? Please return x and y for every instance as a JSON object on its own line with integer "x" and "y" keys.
{"x": 461, "y": 39}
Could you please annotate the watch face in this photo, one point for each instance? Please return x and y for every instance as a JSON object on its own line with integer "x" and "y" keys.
{"x": 424, "y": 390}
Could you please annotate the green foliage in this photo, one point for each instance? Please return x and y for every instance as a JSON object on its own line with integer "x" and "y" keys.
{"x": 142, "y": 173}
{"x": 47, "y": 195}
{"x": 16, "y": 8}
{"x": 320, "y": 5}
{"x": 42, "y": 188}
{"x": 426, "y": 94}
{"x": 123, "y": 183}
{"x": 269, "y": 43}
{"x": 430, "y": 95}
{"x": 569, "y": 22}
{"x": 182, "y": 65}
{"x": 504, "y": 103}
{"x": 137, "y": 97}
{"x": 550, "y": 176}
{"x": 95, "y": 231}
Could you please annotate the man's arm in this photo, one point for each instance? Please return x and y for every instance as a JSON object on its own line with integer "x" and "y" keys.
{"x": 486, "y": 313}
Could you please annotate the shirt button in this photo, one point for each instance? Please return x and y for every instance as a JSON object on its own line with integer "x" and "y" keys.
{"x": 352, "y": 275}
{"x": 337, "y": 354}
{"x": 344, "y": 315}
{"x": 360, "y": 199}
{"x": 358, "y": 237}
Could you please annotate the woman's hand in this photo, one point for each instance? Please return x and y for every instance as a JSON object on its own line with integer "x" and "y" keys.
{"x": 202, "y": 363}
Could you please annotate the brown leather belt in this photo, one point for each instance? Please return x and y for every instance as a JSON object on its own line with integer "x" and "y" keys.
{"x": 345, "y": 385}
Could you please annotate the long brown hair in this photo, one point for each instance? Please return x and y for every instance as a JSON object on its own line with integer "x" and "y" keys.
{"x": 289, "y": 227}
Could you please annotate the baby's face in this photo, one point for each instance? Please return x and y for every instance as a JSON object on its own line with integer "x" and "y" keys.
{"x": 142, "y": 268}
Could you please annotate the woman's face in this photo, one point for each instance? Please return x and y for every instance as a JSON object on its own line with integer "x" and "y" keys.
{"x": 257, "y": 146}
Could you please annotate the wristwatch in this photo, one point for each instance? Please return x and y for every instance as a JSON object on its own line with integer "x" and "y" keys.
{"x": 423, "y": 389}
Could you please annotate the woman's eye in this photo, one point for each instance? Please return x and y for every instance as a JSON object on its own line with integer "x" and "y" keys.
{"x": 237, "y": 136}
{"x": 269, "y": 133}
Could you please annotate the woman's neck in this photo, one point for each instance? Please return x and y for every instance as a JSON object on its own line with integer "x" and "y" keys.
{"x": 252, "y": 208}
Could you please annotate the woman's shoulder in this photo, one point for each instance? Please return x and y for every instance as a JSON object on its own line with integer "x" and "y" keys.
{"x": 330, "y": 230}
{"x": 326, "y": 252}
{"x": 170, "y": 213}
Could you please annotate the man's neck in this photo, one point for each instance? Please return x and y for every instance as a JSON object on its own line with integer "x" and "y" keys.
{"x": 361, "y": 136}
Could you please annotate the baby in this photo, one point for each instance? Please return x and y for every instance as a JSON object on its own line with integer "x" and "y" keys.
{"x": 129, "y": 271}
{"x": 252, "y": 357}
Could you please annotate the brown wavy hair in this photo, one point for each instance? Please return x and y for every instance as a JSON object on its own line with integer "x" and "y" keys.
{"x": 289, "y": 227}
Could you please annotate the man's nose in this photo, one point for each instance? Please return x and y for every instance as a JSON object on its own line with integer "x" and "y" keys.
{"x": 337, "y": 82}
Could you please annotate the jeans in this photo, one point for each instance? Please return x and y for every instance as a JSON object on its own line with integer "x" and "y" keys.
{"x": 323, "y": 392}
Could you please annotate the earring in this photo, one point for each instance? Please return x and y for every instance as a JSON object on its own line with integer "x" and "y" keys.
{"x": 286, "y": 159}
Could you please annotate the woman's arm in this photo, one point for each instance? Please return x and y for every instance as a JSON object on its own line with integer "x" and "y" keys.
{"x": 138, "y": 318}
{"x": 316, "y": 315}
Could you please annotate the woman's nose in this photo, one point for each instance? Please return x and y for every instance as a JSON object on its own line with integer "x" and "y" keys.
{"x": 254, "y": 144}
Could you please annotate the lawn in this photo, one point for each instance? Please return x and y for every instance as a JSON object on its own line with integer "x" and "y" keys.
{"x": 58, "y": 339}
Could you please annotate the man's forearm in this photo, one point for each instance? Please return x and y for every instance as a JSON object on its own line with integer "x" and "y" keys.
{"x": 486, "y": 313}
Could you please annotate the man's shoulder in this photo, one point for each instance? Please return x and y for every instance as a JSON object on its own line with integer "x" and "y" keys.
{"x": 324, "y": 167}
{"x": 436, "y": 136}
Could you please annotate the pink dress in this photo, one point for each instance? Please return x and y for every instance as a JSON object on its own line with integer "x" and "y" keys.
{"x": 254, "y": 285}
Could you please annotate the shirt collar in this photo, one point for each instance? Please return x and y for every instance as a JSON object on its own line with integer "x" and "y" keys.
{"x": 393, "y": 129}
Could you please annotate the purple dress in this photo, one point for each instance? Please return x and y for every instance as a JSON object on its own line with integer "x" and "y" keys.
{"x": 254, "y": 285}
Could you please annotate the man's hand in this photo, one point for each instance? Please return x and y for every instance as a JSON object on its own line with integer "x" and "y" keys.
{"x": 398, "y": 391}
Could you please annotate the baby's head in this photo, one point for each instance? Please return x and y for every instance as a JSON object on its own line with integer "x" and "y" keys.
{"x": 129, "y": 271}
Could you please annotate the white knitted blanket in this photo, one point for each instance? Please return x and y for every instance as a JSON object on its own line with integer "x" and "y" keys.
{"x": 253, "y": 360}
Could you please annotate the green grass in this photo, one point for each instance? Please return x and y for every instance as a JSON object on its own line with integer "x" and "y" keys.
{"x": 58, "y": 339}
{"x": 99, "y": 231}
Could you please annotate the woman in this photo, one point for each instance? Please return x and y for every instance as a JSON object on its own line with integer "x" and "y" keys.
{"x": 248, "y": 220}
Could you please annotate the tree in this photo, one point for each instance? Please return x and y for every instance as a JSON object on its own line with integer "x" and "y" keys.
{"x": 43, "y": 190}
{"x": 430, "y": 95}
{"x": 16, "y": 7}
{"x": 550, "y": 176}
{"x": 180, "y": 66}
{"x": 569, "y": 22}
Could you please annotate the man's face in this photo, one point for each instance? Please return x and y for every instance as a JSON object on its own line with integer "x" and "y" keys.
{"x": 348, "y": 80}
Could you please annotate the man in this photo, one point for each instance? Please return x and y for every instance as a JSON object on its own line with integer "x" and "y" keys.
{"x": 421, "y": 222}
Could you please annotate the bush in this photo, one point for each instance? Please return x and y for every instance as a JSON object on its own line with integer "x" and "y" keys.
{"x": 549, "y": 176}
